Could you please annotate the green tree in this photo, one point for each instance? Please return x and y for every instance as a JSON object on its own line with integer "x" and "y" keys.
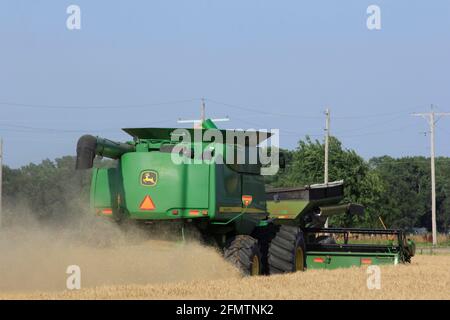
{"x": 50, "y": 191}
{"x": 361, "y": 185}
{"x": 407, "y": 200}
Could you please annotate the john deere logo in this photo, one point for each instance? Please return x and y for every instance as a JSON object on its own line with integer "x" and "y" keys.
{"x": 149, "y": 178}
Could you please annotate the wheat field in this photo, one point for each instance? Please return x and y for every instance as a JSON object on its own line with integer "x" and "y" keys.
{"x": 34, "y": 261}
{"x": 427, "y": 277}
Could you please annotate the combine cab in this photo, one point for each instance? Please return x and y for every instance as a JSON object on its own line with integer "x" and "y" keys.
{"x": 159, "y": 179}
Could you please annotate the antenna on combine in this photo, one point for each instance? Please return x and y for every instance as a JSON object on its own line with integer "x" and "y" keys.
{"x": 198, "y": 122}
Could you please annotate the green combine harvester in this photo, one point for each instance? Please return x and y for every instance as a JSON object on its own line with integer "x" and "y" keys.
{"x": 260, "y": 231}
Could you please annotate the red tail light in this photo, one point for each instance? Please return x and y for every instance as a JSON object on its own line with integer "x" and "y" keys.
{"x": 107, "y": 211}
{"x": 194, "y": 212}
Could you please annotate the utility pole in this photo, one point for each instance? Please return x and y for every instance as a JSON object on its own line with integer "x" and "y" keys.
{"x": 327, "y": 138}
{"x": 431, "y": 118}
{"x": 1, "y": 181}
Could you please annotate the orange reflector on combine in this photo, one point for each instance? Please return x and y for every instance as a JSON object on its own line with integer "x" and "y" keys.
{"x": 107, "y": 211}
{"x": 247, "y": 200}
{"x": 147, "y": 204}
{"x": 319, "y": 260}
{"x": 366, "y": 261}
{"x": 194, "y": 212}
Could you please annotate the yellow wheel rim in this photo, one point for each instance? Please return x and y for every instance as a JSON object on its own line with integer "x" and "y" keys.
{"x": 255, "y": 266}
{"x": 299, "y": 259}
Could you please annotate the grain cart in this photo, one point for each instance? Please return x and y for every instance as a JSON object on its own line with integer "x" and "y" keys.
{"x": 260, "y": 231}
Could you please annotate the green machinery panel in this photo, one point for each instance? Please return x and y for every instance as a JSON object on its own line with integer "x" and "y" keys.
{"x": 180, "y": 187}
{"x": 334, "y": 260}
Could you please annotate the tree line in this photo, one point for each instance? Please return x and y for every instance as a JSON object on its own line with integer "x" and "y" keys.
{"x": 397, "y": 190}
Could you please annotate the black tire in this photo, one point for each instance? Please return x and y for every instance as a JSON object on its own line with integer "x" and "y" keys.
{"x": 287, "y": 251}
{"x": 243, "y": 252}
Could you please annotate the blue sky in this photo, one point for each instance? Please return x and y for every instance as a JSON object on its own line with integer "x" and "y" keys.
{"x": 287, "y": 60}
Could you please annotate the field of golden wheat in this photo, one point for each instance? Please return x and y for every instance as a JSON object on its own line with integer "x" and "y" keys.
{"x": 427, "y": 277}
{"x": 140, "y": 265}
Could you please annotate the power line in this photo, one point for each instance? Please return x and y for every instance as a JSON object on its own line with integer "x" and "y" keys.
{"x": 337, "y": 133}
{"x": 260, "y": 111}
{"x": 282, "y": 131}
{"x": 79, "y": 107}
{"x": 257, "y": 111}
{"x": 22, "y": 128}
{"x": 373, "y": 133}
{"x": 376, "y": 115}
{"x": 199, "y": 122}
{"x": 371, "y": 125}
